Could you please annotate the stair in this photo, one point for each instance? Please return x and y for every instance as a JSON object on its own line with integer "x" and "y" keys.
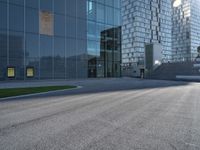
{"x": 169, "y": 71}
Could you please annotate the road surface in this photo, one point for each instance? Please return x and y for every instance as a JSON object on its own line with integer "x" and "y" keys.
{"x": 115, "y": 114}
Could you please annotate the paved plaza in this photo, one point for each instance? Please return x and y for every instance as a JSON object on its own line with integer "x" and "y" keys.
{"x": 105, "y": 114}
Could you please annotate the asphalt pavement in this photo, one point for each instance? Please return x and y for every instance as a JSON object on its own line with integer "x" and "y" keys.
{"x": 105, "y": 114}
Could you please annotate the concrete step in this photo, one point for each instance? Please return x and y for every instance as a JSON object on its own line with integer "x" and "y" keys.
{"x": 171, "y": 70}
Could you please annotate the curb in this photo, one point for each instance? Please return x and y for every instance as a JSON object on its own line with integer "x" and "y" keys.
{"x": 37, "y": 94}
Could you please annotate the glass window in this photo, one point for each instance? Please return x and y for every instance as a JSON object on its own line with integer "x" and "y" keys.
{"x": 100, "y": 29}
{"x": 3, "y": 53}
{"x": 46, "y": 46}
{"x": 91, "y": 32}
{"x": 71, "y": 7}
{"x": 117, "y": 3}
{"x": 59, "y": 25}
{"x": 109, "y": 3}
{"x": 91, "y": 10}
{"x": 92, "y": 48}
{"x": 116, "y": 69}
{"x": 100, "y": 13}
{"x": 32, "y": 45}
{"x": 81, "y": 29}
{"x": 16, "y": 18}
{"x": 34, "y": 63}
{"x": 100, "y": 69}
{"x": 71, "y": 27}
{"x": 117, "y": 56}
{"x": 59, "y": 47}
{"x": 100, "y": 1}
{"x": 32, "y": 20}
{"x": 109, "y": 15}
{"x": 20, "y": 2}
{"x": 46, "y": 4}
{"x": 11, "y": 72}
{"x": 46, "y": 59}
{"x": 81, "y": 49}
{"x": 71, "y": 58}
{"x": 3, "y": 44}
{"x": 3, "y": 15}
{"x": 117, "y": 18}
{"x": 59, "y": 6}
{"x": 32, "y": 52}
{"x": 70, "y": 47}
{"x": 32, "y": 3}
{"x": 59, "y": 58}
{"x": 16, "y": 46}
{"x": 81, "y": 9}
{"x": 82, "y": 69}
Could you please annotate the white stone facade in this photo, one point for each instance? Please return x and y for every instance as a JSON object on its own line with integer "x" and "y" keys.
{"x": 186, "y": 29}
{"x": 145, "y": 22}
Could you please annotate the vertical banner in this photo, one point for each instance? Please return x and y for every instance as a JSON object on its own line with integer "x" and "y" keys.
{"x": 46, "y": 23}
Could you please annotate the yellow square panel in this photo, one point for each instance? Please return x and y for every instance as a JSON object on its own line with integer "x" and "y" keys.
{"x": 11, "y": 72}
{"x": 29, "y": 72}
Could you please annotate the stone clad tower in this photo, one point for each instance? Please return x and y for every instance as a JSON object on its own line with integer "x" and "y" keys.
{"x": 144, "y": 22}
{"x": 186, "y": 29}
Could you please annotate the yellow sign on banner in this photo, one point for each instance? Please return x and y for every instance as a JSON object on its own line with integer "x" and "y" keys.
{"x": 11, "y": 72}
{"x": 29, "y": 72}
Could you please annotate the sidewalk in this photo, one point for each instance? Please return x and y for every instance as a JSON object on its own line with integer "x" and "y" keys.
{"x": 37, "y": 83}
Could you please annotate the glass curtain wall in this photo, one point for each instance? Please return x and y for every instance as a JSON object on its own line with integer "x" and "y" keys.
{"x": 104, "y": 38}
{"x": 59, "y": 39}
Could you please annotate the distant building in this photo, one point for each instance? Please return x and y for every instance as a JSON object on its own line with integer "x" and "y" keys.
{"x": 186, "y": 29}
{"x": 145, "y": 22}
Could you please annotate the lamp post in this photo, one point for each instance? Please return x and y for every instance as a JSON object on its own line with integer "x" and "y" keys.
{"x": 197, "y": 60}
{"x": 198, "y": 57}
{"x": 198, "y": 50}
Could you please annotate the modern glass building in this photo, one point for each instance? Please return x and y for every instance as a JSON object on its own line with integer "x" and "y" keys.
{"x": 186, "y": 29}
{"x": 59, "y": 39}
{"x": 145, "y": 22}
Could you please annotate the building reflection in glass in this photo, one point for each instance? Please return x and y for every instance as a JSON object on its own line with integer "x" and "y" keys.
{"x": 108, "y": 58}
{"x": 14, "y": 57}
